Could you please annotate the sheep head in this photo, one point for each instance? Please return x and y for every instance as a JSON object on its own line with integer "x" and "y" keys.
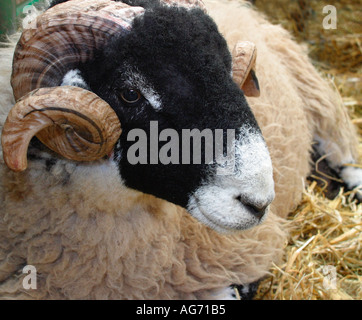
{"x": 168, "y": 64}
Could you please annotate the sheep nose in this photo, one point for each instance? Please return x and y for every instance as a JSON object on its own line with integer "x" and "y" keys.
{"x": 257, "y": 209}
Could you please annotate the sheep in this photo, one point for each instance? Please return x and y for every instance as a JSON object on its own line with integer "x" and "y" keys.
{"x": 94, "y": 230}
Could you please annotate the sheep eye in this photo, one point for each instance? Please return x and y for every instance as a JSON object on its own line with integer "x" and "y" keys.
{"x": 130, "y": 95}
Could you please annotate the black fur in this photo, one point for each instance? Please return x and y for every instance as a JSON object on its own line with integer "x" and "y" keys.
{"x": 326, "y": 177}
{"x": 55, "y": 2}
{"x": 247, "y": 292}
{"x": 184, "y": 58}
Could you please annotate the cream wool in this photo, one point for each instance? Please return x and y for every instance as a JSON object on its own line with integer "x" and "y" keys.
{"x": 87, "y": 242}
{"x": 295, "y": 105}
{"x": 90, "y": 237}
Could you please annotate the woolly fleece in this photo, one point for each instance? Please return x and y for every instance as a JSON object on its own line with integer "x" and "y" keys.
{"x": 90, "y": 237}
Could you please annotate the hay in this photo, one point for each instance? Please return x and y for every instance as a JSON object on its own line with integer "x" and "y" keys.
{"x": 337, "y": 53}
{"x": 324, "y": 246}
{"x": 323, "y": 257}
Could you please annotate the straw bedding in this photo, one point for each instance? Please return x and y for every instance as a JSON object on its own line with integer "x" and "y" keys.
{"x": 323, "y": 257}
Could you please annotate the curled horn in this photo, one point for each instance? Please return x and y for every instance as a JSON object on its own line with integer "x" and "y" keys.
{"x": 66, "y": 36}
{"x": 71, "y": 121}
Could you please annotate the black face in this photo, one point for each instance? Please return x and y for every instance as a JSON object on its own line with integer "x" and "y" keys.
{"x": 179, "y": 56}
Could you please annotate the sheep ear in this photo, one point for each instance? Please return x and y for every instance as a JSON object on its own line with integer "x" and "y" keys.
{"x": 244, "y": 58}
{"x": 251, "y": 85}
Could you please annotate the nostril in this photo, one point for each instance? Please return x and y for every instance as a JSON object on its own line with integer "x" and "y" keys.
{"x": 255, "y": 209}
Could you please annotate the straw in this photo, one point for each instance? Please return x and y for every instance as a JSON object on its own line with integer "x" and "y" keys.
{"x": 323, "y": 257}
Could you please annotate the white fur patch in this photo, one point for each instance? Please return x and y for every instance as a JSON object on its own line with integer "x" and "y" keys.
{"x": 218, "y": 208}
{"x": 253, "y": 167}
{"x": 227, "y": 293}
{"x": 118, "y": 154}
{"x": 74, "y": 78}
{"x": 137, "y": 81}
{"x": 353, "y": 178}
{"x": 216, "y": 202}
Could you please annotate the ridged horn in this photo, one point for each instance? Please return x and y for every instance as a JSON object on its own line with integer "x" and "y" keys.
{"x": 244, "y": 60}
{"x": 71, "y": 121}
{"x": 66, "y": 36}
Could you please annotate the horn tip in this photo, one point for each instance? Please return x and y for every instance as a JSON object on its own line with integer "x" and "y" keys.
{"x": 15, "y": 165}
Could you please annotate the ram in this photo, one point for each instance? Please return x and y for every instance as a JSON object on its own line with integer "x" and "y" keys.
{"x": 93, "y": 224}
